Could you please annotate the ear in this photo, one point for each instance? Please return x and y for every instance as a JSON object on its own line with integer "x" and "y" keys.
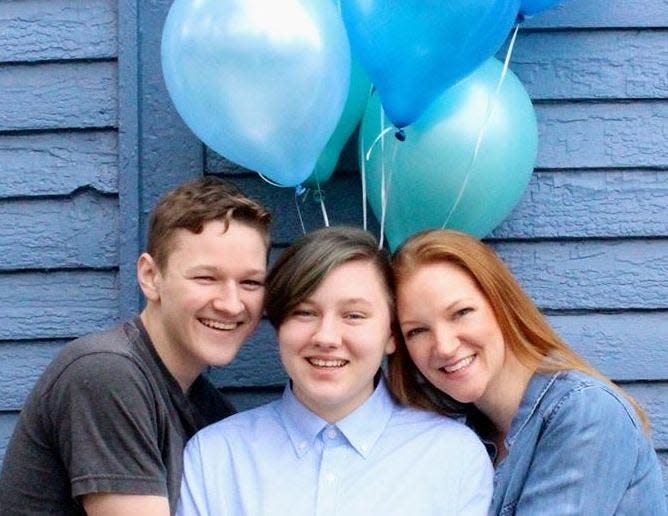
{"x": 148, "y": 277}
{"x": 391, "y": 345}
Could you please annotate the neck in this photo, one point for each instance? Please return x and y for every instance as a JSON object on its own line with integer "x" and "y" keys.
{"x": 167, "y": 352}
{"x": 504, "y": 394}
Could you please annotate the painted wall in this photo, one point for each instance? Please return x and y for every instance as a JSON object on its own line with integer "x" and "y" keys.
{"x": 88, "y": 141}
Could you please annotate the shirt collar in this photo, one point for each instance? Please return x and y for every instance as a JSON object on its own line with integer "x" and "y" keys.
{"x": 533, "y": 395}
{"x": 362, "y": 427}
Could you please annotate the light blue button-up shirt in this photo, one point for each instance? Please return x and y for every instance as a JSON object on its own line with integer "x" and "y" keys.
{"x": 381, "y": 459}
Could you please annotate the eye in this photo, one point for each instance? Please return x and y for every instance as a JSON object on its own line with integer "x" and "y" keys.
{"x": 462, "y": 312}
{"x": 414, "y": 332}
{"x": 354, "y": 315}
{"x": 204, "y": 278}
{"x": 303, "y": 313}
{"x": 252, "y": 284}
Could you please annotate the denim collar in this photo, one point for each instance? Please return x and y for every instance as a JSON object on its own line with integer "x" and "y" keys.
{"x": 362, "y": 427}
{"x": 538, "y": 385}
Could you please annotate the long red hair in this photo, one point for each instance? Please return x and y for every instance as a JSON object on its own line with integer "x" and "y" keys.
{"x": 525, "y": 330}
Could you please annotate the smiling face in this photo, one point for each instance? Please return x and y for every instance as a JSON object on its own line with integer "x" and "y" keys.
{"x": 207, "y": 299}
{"x": 333, "y": 342}
{"x": 452, "y": 333}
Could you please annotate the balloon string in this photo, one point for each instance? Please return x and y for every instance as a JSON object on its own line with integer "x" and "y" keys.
{"x": 379, "y": 137}
{"x": 300, "y": 190}
{"x": 321, "y": 198}
{"x": 383, "y": 189}
{"x": 363, "y": 174}
{"x": 491, "y": 104}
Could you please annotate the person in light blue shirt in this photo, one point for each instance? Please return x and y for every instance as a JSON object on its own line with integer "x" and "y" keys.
{"x": 337, "y": 442}
{"x": 565, "y": 440}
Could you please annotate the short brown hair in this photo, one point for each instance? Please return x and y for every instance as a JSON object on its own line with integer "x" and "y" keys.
{"x": 304, "y": 265}
{"x": 193, "y": 204}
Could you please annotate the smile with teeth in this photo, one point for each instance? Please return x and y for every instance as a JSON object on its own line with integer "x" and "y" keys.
{"x": 459, "y": 365}
{"x": 219, "y": 325}
{"x": 321, "y": 362}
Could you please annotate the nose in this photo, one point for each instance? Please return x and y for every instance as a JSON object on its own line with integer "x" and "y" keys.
{"x": 327, "y": 334}
{"x": 228, "y": 299}
{"x": 445, "y": 344}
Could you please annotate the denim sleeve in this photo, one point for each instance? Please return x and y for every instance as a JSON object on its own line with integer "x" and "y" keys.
{"x": 585, "y": 458}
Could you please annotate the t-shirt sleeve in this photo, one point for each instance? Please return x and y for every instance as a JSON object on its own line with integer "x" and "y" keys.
{"x": 105, "y": 422}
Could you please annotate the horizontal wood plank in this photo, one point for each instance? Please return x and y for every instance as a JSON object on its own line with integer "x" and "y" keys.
{"x": 602, "y": 134}
{"x": 591, "y": 275}
{"x": 557, "y": 204}
{"x": 32, "y": 30}
{"x": 592, "y": 65}
{"x": 81, "y": 231}
{"x": 56, "y": 304}
{"x": 603, "y": 14}
{"x": 58, "y": 163}
{"x": 58, "y": 96}
{"x": 624, "y": 346}
{"x": 596, "y": 203}
{"x": 653, "y": 397}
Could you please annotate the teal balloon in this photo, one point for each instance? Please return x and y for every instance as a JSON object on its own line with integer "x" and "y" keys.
{"x": 425, "y": 173}
{"x": 358, "y": 95}
{"x": 263, "y": 83}
{"x": 415, "y": 49}
{"x": 531, "y": 7}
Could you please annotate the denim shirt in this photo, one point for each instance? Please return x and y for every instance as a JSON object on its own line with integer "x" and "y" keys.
{"x": 576, "y": 447}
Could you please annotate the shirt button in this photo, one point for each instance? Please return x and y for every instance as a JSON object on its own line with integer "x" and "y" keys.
{"x": 301, "y": 446}
{"x": 331, "y": 433}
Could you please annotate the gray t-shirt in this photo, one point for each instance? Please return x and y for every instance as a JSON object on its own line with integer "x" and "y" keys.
{"x": 106, "y": 416}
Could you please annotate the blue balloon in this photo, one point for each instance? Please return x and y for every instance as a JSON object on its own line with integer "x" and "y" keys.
{"x": 358, "y": 94}
{"x": 263, "y": 83}
{"x": 432, "y": 177}
{"x": 531, "y": 7}
{"x": 415, "y": 49}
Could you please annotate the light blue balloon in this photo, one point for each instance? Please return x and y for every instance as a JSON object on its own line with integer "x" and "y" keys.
{"x": 531, "y": 7}
{"x": 425, "y": 173}
{"x": 261, "y": 82}
{"x": 358, "y": 94}
{"x": 415, "y": 49}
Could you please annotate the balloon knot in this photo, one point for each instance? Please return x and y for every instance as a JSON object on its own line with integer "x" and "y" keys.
{"x": 400, "y": 135}
{"x": 300, "y": 190}
{"x": 521, "y": 18}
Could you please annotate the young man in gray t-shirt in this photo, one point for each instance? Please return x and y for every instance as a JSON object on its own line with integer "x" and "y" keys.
{"x": 104, "y": 428}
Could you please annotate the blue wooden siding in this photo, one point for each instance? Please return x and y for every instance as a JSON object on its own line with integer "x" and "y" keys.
{"x": 89, "y": 140}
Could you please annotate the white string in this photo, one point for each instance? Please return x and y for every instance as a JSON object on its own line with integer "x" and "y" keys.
{"x": 491, "y": 104}
{"x": 383, "y": 181}
{"x": 299, "y": 211}
{"x": 321, "y": 198}
{"x": 363, "y": 173}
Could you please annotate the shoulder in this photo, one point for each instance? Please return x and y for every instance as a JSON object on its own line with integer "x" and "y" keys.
{"x": 248, "y": 425}
{"x": 584, "y": 399}
{"x": 448, "y": 433}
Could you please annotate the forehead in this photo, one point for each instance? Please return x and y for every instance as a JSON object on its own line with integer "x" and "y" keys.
{"x": 235, "y": 243}
{"x": 354, "y": 279}
{"x": 444, "y": 279}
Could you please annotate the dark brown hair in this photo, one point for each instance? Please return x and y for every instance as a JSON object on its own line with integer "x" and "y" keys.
{"x": 304, "y": 265}
{"x": 193, "y": 204}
